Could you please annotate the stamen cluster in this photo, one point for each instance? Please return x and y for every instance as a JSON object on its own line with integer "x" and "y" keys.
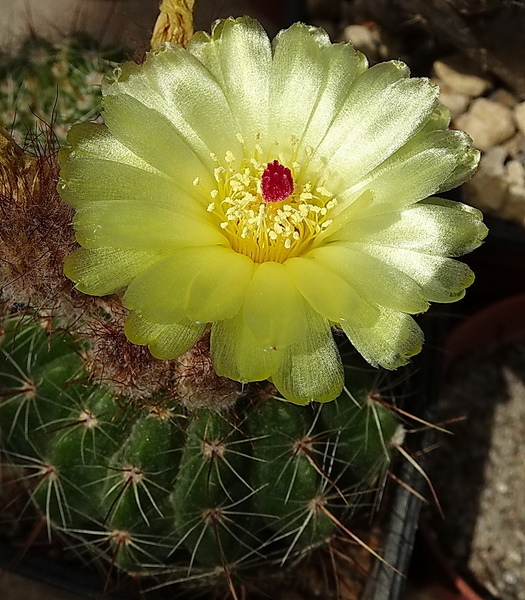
{"x": 269, "y": 211}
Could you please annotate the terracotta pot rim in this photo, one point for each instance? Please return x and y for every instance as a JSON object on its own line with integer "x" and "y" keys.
{"x": 463, "y": 591}
{"x": 500, "y": 323}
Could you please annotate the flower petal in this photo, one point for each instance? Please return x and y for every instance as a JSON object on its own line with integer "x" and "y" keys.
{"x": 382, "y": 112}
{"x": 144, "y": 226}
{"x": 98, "y": 168}
{"x": 311, "y": 370}
{"x": 419, "y": 169}
{"x": 307, "y": 66}
{"x": 107, "y": 270}
{"x": 439, "y": 119}
{"x": 236, "y": 354}
{"x": 467, "y": 163}
{"x": 150, "y": 135}
{"x": 175, "y": 84}
{"x": 441, "y": 279}
{"x": 433, "y": 226}
{"x": 274, "y": 308}
{"x": 238, "y": 55}
{"x": 372, "y": 278}
{"x": 326, "y": 292}
{"x": 93, "y": 140}
{"x": 203, "y": 284}
{"x": 390, "y": 342}
{"x": 165, "y": 341}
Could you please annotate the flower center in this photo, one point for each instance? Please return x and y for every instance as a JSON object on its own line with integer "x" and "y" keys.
{"x": 267, "y": 210}
{"x": 276, "y": 182}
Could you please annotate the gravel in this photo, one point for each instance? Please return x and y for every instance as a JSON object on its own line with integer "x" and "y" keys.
{"x": 487, "y": 122}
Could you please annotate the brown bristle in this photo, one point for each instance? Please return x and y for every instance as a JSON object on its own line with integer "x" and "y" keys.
{"x": 36, "y": 233}
{"x": 129, "y": 369}
{"x": 133, "y": 372}
{"x": 199, "y": 386}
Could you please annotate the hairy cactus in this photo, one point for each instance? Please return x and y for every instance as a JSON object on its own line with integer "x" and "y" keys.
{"x": 159, "y": 489}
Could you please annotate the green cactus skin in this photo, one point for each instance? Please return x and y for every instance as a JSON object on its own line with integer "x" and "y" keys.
{"x": 53, "y": 83}
{"x": 160, "y": 490}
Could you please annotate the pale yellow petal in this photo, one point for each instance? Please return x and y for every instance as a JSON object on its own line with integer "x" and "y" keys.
{"x": 311, "y": 369}
{"x": 434, "y": 226}
{"x": 236, "y": 354}
{"x": 150, "y": 135}
{"x": 390, "y": 342}
{"x": 144, "y": 226}
{"x": 383, "y": 110}
{"x": 324, "y": 290}
{"x": 307, "y": 66}
{"x": 274, "y": 309}
{"x": 419, "y": 169}
{"x": 238, "y": 55}
{"x": 441, "y": 279}
{"x": 96, "y": 166}
{"x": 177, "y": 85}
{"x": 165, "y": 340}
{"x": 202, "y": 284}
{"x": 372, "y": 278}
{"x": 107, "y": 270}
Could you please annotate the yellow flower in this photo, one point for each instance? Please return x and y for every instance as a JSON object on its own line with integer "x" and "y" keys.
{"x": 273, "y": 191}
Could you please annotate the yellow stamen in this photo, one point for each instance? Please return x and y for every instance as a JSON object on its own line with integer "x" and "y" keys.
{"x": 269, "y": 231}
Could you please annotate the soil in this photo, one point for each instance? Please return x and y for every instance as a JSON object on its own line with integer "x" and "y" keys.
{"x": 479, "y": 472}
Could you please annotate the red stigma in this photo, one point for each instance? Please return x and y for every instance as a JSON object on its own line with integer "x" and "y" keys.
{"x": 276, "y": 182}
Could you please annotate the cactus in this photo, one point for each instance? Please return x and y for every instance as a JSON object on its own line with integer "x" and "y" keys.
{"x": 191, "y": 463}
{"x": 195, "y": 494}
{"x": 52, "y": 84}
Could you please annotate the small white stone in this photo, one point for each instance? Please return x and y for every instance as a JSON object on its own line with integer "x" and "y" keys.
{"x": 516, "y": 144}
{"x": 488, "y": 123}
{"x": 519, "y": 116}
{"x": 462, "y": 75}
{"x": 502, "y": 488}
{"x": 456, "y": 102}
{"x": 504, "y": 97}
{"x": 487, "y": 190}
{"x": 515, "y": 173}
{"x": 363, "y": 40}
{"x": 510, "y": 578}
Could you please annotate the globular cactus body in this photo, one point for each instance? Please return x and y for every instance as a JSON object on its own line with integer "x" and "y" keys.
{"x": 160, "y": 488}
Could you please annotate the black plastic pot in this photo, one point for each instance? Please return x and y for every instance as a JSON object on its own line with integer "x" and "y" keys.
{"x": 388, "y": 581}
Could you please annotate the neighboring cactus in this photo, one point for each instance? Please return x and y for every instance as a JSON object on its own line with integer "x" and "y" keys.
{"x": 160, "y": 489}
{"x": 52, "y": 84}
